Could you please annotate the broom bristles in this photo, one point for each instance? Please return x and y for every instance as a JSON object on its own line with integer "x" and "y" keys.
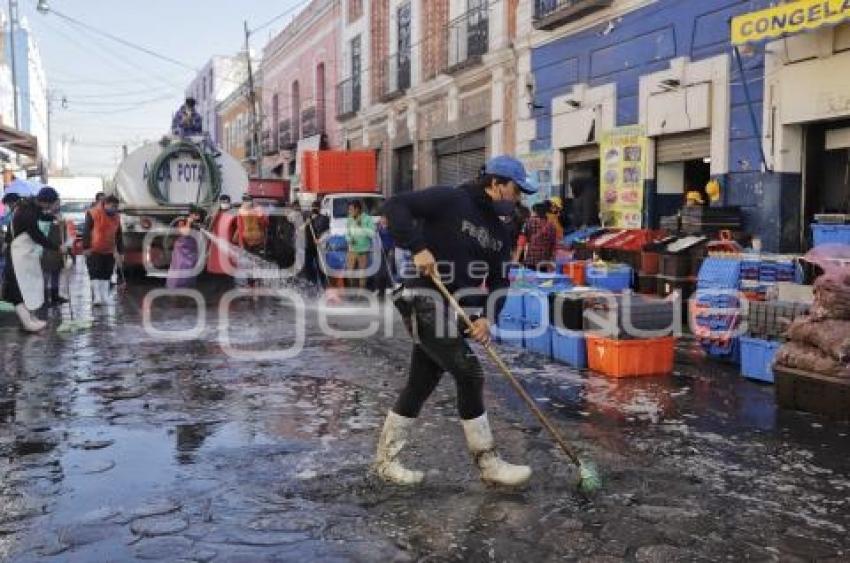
{"x": 589, "y": 480}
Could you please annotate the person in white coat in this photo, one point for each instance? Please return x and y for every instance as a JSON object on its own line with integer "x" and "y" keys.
{"x": 23, "y": 284}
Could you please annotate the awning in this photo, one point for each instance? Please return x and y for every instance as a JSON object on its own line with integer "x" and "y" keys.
{"x": 794, "y": 17}
{"x": 18, "y": 142}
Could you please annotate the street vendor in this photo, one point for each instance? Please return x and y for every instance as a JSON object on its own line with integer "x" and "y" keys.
{"x": 460, "y": 230}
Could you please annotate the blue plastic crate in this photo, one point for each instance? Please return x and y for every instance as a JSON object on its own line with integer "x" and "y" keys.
{"x": 580, "y": 234}
{"x": 540, "y": 343}
{"x": 613, "y": 278}
{"x": 535, "y": 307}
{"x": 553, "y": 282}
{"x": 719, "y": 273}
{"x": 511, "y": 331}
{"x": 757, "y": 358}
{"x": 569, "y": 347}
{"x": 831, "y": 234}
{"x": 514, "y": 306}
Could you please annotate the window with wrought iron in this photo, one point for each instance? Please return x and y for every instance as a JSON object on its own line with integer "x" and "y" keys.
{"x": 355, "y": 10}
{"x": 356, "y": 69}
{"x": 477, "y": 25}
{"x": 405, "y": 42}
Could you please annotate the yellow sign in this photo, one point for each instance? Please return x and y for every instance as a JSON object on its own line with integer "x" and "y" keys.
{"x": 789, "y": 18}
{"x": 623, "y": 171}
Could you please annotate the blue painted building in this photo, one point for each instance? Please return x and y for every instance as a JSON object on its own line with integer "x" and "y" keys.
{"x": 668, "y": 65}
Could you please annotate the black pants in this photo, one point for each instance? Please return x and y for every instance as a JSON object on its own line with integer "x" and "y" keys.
{"x": 434, "y": 354}
{"x": 100, "y": 266}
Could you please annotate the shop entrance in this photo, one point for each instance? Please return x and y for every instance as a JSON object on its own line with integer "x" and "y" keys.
{"x": 581, "y": 163}
{"x": 460, "y": 159}
{"x": 683, "y": 165}
{"x": 403, "y": 171}
{"x": 826, "y": 172}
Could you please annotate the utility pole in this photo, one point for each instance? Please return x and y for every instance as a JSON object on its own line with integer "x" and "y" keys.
{"x": 252, "y": 97}
{"x": 13, "y": 21}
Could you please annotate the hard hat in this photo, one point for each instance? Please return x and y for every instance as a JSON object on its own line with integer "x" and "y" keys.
{"x": 695, "y": 197}
{"x": 557, "y": 202}
{"x": 712, "y": 189}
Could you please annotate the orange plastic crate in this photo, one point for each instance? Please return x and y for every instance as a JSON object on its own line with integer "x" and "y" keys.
{"x": 339, "y": 171}
{"x": 575, "y": 271}
{"x": 630, "y": 358}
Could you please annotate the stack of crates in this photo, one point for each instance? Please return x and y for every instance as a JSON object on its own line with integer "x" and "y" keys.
{"x": 630, "y": 335}
{"x": 717, "y": 308}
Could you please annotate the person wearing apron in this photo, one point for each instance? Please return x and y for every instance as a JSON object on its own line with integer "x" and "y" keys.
{"x": 23, "y": 284}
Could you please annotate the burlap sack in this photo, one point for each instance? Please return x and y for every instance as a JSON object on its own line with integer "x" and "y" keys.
{"x": 809, "y": 358}
{"x": 830, "y": 336}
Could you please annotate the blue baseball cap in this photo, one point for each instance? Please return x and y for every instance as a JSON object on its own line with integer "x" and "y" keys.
{"x": 512, "y": 169}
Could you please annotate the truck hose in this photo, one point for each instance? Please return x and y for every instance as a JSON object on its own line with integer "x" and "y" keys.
{"x": 213, "y": 174}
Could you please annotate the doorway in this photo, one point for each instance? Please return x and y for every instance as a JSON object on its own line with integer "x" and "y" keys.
{"x": 403, "y": 170}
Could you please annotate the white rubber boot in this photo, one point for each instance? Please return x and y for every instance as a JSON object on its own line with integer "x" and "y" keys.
{"x": 106, "y": 293}
{"x": 393, "y": 439}
{"x": 494, "y": 470}
{"x": 30, "y": 323}
{"x": 96, "y": 295}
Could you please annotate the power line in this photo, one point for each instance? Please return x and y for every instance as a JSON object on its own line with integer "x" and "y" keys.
{"x": 279, "y": 16}
{"x": 124, "y": 42}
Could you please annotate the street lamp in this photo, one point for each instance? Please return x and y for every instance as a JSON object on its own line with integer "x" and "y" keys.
{"x": 42, "y": 6}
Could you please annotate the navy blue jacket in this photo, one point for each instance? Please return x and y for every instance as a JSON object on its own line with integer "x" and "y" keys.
{"x": 460, "y": 227}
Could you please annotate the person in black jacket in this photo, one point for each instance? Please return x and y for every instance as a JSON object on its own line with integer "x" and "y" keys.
{"x": 464, "y": 235}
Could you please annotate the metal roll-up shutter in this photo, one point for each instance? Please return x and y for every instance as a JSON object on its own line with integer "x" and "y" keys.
{"x": 459, "y": 159}
{"x": 583, "y": 153}
{"x": 684, "y": 146}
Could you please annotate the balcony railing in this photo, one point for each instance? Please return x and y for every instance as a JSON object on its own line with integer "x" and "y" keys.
{"x": 550, "y": 14}
{"x": 286, "y": 140}
{"x": 468, "y": 38}
{"x": 348, "y": 97}
{"x": 395, "y": 76}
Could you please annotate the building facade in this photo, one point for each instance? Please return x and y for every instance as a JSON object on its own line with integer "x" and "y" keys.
{"x": 776, "y": 144}
{"x": 32, "y": 85}
{"x": 214, "y": 83}
{"x": 430, "y": 85}
{"x": 236, "y": 122}
{"x": 300, "y": 68}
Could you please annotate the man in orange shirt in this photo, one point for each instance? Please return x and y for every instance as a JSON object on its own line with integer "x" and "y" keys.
{"x": 250, "y": 236}
{"x": 102, "y": 246}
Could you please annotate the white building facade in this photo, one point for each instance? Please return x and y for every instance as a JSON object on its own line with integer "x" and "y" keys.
{"x": 213, "y": 84}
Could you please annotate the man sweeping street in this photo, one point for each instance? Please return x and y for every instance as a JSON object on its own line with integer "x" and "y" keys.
{"x": 462, "y": 234}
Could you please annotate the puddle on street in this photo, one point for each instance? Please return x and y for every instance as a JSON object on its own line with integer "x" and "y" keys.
{"x": 163, "y": 450}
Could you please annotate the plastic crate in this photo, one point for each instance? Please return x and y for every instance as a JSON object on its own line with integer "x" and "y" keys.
{"x": 757, "y": 359}
{"x": 719, "y": 273}
{"x": 630, "y": 358}
{"x": 830, "y": 234}
{"x": 569, "y": 347}
{"x": 575, "y": 271}
{"x": 549, "y": 282}
{"x": 537, "y": 340}
{"x": 514, "y": 307}
{"x": 339, "y": 171}
{"x": 536, "y": 308}
{"x": 609, "y": 317}
{"x": 612, "y": 278}
{"x": 511, "y": 332}
{"x": 647, "y": 284}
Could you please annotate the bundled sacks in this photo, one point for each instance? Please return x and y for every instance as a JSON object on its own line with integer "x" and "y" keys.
{"x": 832, "y": 296}
{"x": 821, "y": 342}
{"x": 830, "y": 336}
{"x": 809, "y": 358}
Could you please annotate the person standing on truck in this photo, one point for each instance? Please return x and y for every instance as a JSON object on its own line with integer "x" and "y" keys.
{"x": 102, "y": 246}
{"x": 461, "y": 233}
{"x": 250, "y": 236}
{"x": 187, "y": 121}
{"x": 359, "y": 232}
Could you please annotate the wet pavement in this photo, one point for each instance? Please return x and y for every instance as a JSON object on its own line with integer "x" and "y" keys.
{"x": 119, "y": 446}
